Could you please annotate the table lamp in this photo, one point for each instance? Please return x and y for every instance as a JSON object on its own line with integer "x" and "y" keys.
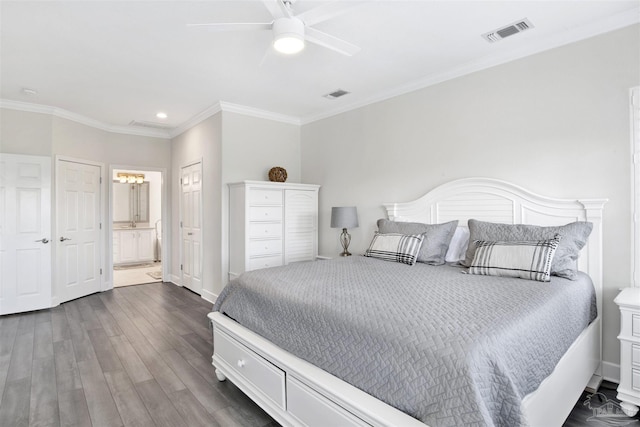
{"x": 344, "y": 217}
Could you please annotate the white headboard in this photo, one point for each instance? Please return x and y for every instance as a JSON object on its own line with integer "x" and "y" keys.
{"x": 493, "y": 200}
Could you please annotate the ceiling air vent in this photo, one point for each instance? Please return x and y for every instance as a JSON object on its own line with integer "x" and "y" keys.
{"x": 336, "y": 94}
{"x": 152, "y": 125}
{"x": 506, "y": 31}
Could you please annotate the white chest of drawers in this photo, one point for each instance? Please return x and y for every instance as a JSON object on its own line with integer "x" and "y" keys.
{"x": 629, "y": 389}
{"x": 271, "y": 224}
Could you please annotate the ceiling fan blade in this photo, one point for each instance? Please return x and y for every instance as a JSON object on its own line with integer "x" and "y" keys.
{"x": 330, "y": 42}
{"x": 327, "y": 11}
{"x": 250, "y": 26}
{"x": 277, "y": 8}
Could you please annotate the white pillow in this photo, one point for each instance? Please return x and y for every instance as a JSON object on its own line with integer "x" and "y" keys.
{"x": 458, "y": 246}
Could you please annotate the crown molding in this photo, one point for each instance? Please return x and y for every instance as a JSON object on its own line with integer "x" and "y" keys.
{"x": 262, "y": 114}
{"x": 78, "y": 118}
{"x": 200, "y": 117}
{"x": 614, "y": 22}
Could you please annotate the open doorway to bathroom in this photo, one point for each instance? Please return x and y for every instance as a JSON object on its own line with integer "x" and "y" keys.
{"x": 136, "y": 211}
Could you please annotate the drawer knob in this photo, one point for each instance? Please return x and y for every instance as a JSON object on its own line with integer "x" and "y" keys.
{"x": 241, "y": 363}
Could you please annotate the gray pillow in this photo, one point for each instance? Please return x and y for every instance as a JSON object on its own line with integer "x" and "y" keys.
{"x": 574, "y": 237}
{"x": 436, "y": 237}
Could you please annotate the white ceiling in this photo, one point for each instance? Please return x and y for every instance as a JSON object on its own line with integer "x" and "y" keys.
{"x": 118, "y": 61}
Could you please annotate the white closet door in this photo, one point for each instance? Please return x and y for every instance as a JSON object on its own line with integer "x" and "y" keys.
{"x": 79, "y": 241}
{"x": 25, "y": 233}
{"x": 191, "y": 197}
{"x": 301, "y": 225}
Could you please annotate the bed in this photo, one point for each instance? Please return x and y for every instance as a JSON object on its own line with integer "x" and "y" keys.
{"x": 296, "y": 392}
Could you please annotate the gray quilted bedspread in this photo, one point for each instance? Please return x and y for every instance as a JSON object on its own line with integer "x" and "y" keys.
{"x": 448, "y": 348}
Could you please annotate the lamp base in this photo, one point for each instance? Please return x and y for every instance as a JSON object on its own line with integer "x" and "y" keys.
{"x": 345, "y": 239}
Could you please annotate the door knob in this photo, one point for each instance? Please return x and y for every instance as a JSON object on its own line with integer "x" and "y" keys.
{"x": 189, "y": 234}
{"x": 43, "y": 240}
{"x": 62, "y": 239}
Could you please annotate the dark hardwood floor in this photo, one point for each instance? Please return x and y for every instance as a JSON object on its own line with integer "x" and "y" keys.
{"x": 134, "y": 356}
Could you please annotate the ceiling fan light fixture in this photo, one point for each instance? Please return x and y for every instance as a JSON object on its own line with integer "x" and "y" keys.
{"x": 288, "y": 35}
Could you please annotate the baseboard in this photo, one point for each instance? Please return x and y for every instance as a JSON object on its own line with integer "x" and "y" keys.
{"x": 209, "y": 296}
{"x": 611, "y": 372}
{"x": 175, "y": 280}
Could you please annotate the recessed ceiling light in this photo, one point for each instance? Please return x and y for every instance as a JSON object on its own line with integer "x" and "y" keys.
{"x": 161, "y": 115}
{"x": 29, "y": 91}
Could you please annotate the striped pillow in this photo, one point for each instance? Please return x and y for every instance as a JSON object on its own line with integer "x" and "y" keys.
{"x": 523, "y": 259}
{"x": 396, "y": 247}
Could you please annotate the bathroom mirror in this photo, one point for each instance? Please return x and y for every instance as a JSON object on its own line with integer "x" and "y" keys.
{"x": 130, "y": 202}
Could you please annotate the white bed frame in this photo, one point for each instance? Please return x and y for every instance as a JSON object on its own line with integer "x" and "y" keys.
{"x": 294, "y": 392}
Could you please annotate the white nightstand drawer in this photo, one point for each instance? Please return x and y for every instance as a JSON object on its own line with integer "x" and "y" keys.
{"x": 265, "y": 247}
{"x": 265, "y": 197}
{"x": 635, "y": 325}
{"x": 253, "y": 368}
{"x": 267, "y": 229}
{"x": 265, "y": 213}
{"x": 635, "y": 355}
{"x": 265, "y": 262}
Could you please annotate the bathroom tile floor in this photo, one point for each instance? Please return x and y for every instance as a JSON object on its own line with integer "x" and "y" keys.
{"x": 135, "y": 276}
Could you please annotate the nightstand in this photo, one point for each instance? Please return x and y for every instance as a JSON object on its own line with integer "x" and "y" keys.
{"x": 629, "y": 389}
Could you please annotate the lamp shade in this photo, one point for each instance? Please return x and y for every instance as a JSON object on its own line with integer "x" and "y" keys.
{"x": 344, "y": 217}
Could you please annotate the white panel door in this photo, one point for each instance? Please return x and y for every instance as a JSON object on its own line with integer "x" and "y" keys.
{"x": 78, "y": 209}
{"x": 191, "y": 204}
{"x": 25, "y": 233}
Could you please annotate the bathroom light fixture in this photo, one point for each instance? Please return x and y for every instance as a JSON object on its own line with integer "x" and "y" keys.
{"x": 131, "y": 178}
{"x": 161, "y": 115}
{"x": 288, "y": 35}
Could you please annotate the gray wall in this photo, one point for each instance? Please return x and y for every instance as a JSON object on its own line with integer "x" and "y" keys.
{"x": 233, "y": 147}
{"x": 556, "y": 123}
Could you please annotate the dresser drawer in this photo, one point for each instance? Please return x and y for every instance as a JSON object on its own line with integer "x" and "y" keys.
{"x": 265, "y": 247}
{"x": 265, "y": 197}
{"x": 266, "y": 229}
{"x": 268, "y": 379}
{"x": 264, "y": 262}
{"x": 635, "y": 325}
{"x": 635, "y": 379}
{"x": 265, "y": 213}
{"x": 635, "y": 355}
{"x": 309, "y": 408}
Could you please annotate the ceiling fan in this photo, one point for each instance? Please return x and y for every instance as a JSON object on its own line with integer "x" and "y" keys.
{"x": 290, "y": 31}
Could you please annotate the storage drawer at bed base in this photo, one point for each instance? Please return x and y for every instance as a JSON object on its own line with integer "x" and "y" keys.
{"x": 311, "y": 409}
{"x": 264, "y": 376}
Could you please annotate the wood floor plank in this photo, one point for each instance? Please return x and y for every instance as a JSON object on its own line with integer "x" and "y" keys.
{"x": 82, "y": 346}
{"x": 132, "y": 363}
{"x": 208, "y": 397}
{"x": 43, "y": 340}
{"x": 89, "y": 319}
{"x": 8, "y": 330}
{"x": 191, "y": 410}
{"x": 21, "y": 357}
{"x": 44, "y": 394}
{"x": 14, "y": 409}
{"x": 102, "y": 408}
{"x": 73, "y": 409}
{"x": 107, "y": 356}
{"x": 162, "y": 373}
{"x": 109, "y": 323}
{"x": 59, "y": 324}
{"x": 132, "y": 411}
{"x": 160, "y": 408}
{"x": 67, "y": 373}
